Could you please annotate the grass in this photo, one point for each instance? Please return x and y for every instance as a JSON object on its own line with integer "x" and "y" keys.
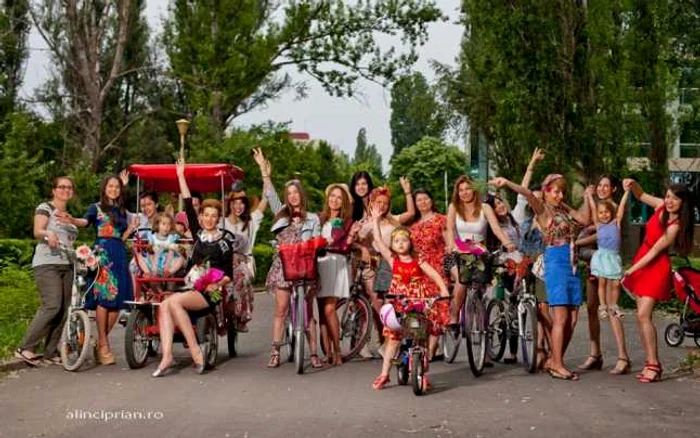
{"x": 18, "y": 302}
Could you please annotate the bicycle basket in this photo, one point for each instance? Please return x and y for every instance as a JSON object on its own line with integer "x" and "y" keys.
{"x": 475, "y": 269}
{"x": 299, "y": 259}
{"x": 414, "y": 326}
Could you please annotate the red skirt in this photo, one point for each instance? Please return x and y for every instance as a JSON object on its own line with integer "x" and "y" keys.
{"x": 653, "y": 280}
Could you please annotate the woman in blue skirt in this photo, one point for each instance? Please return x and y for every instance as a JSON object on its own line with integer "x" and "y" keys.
{"x": 558, "y": 223}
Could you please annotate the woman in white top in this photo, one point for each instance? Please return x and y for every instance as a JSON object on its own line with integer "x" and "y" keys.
{"x": 468, "y": 220}
{"x": 245, "y": 220}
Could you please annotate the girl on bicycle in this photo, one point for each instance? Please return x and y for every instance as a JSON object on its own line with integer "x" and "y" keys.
{"x": 468, "y": 220}
{"x": 333, "y": 269}
{"x": 558, "y": 222}
{"x": 649, "y": 277}
{"x": 244, "y": 218}
{"x": 292, "y": 224}
{"x": 408, "y": 280}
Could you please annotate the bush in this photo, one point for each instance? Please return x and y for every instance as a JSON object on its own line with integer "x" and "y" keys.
{"x": 18, "y": 302}
{"x": 16, "y": 252}
{"x": 263, "y": 260}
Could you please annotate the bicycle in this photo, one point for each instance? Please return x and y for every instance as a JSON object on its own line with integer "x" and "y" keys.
{"x": 476, "y": 272}
{"x": 355, "y": 316}
{"x": 514, "y": 318}
{"x": 77, "y": 336}
{"x": 299, "y": 266}
{"x": 412, "y": 358}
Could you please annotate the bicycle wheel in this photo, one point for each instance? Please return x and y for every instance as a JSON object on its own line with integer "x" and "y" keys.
{"x": 355, "y": 319}
{"x": 289, "y": 338}
{"x": 476, "y": 332}
{"x": 528, "y": 337}
{"x": 136, "y": 342}
{"x": 496, "y": 329}
{"x": 417, "y": 371}
{"x": 674, "y": 335}
{"x": 208, "y": 339}
{"x": 75, "y": 340}
{"x": 299, "y": 331}
{"x": 402, "y": 369}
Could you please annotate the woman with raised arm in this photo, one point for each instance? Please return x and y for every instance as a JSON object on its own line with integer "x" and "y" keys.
{"x": 558, "y": 222}
{"x": 333, "y": 267}
{"x": 468, "y": 220}
{"x": 292, "y": 224}
{"x": 649, "y": 277}
{"x": 212, "y": 249}
{"x": 244, "y": 218}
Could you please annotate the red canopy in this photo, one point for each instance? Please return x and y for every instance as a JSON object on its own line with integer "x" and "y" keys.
{"x": 205, "y": 178}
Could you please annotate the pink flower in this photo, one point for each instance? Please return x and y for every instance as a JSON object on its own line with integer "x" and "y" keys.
{"x": 91, "y": 261}
{"x": 83, "y": 252}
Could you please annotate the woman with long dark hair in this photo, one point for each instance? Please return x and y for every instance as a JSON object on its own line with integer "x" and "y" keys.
{"x": 649, "y": 277}
{"x": 361, "y": 186}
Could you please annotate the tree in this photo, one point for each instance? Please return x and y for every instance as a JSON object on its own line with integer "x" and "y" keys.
{"x": 425, "y": 164}
{"x": 14, "y": 30}
{"x": 233, "y": 55}
{"x": 87, "y": 41}
{"x": 367, "y": 157}
{"x": 415, "y": 112}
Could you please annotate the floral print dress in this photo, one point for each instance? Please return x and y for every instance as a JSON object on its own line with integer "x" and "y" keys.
{"x": 428, "y": 241}
{"x": 112, "y": 283}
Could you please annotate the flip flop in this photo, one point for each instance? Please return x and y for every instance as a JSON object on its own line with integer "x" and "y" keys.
{"x": 557, "y": 375}
{"x": 33, "y": 361}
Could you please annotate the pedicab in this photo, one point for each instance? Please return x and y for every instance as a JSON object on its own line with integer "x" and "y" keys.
{"x": 142, "y": 336}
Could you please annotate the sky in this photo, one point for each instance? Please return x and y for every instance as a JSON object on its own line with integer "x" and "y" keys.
{"x": 336, "y": 120}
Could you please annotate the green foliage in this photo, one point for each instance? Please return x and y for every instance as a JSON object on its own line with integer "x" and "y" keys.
{"x": 14, "y": 31}
{"x": 415, "y": 112}
{"x": 16, "y": 252}
{"x": 18, "y": 302}
{"x": 425, "y": 164}
{"x": 263, "y": 254}
{"x": 366, "y": 156}
{"x": 230, "y": 56}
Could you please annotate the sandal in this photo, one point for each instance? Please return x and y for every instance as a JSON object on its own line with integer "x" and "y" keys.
{"x": 30, "y": 360}
{"x": 592, "y": 363}
{"x": 56, "y": 360}
{"x": 380, "y": 381}
{"x": 315, "y": 362}
{"x": 602, "y": 312}
{"x": 656, "y": 369}
{"x": 641, "y": 373}
{"x": 616, "y": 312}
{"x": 274, "y": 359}
{"x": 541, "y": 358}
{"x": 625, "y": 368}
{"x": 557, "y": 375}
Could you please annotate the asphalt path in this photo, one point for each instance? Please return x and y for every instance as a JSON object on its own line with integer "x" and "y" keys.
{"x": 242, "y": 398}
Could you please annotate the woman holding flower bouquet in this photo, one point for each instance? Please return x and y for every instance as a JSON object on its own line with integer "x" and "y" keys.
{"x": 211, "y": 263}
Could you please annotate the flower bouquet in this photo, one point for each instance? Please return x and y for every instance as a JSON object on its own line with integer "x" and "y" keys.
{"x": 91, "y": 258}
{"x": 209, "y": 277}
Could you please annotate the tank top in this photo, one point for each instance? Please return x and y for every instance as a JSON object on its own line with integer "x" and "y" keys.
{"x": 608, "y": 236}
{"x": 471, "y": 230}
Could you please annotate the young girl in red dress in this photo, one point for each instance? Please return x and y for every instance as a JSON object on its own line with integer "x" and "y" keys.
{"x": 408, "y": 280}
{"x": 649, "y": 277}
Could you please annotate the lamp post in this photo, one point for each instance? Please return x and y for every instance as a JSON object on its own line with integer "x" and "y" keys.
{"x": 182, "y": 126}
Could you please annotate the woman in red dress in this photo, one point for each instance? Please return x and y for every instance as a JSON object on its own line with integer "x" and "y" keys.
{"x": 428, "y": 235}
{"x": 649, "y": 278}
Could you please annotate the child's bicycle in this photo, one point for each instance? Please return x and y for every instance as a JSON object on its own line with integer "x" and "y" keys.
{"x": 686, "y": 282}
{"x": 76, "y": 337}
{"x": 412, "y": 358}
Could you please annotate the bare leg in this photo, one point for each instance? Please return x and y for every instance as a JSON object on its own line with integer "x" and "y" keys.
{"x": 593, "y": 325}
{"x": 323, "y": 328}
{"x": 333, "y": 329}
{"x": 282, "y": 300}
{"x": 311, "y": 333}
{"x": 458, "y": 297}
{"x": 617, "y": 327}
{"x": 391, "y": 347}
{"x": 647, "y": 330}
{"x": 571, "y": 325}
{"x": 432, "y": 346}
{"x": 166, "y": 327}
{"x": 102, "y": 316}
{"x": 179, "y": 305}
{"x": 559, "y": 329}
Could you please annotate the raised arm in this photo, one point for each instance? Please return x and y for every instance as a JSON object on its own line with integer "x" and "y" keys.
{"x": 622, "y": 207}
{"x": 634, "y": 187}
{"x": 583, "y": 214}
{"x": 410, "y": 212}
{"x": 534, "y": 202}
{"x": 496, "y": 228}
{"x": 662, "y": 244}
{"x": 377, "y": 235}
{"x": 589, "y": 205}
{"x": 269, "y": 192}
{"x": 537, "y": 155}
{"x": 180, "y": 170}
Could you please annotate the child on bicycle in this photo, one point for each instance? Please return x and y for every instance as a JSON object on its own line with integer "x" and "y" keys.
{"x": 408, "y": 279}
{"x": 606, "y": 263}
{"x": 166, "y": 259}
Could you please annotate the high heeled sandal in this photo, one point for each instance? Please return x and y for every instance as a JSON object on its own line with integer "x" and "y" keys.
{"x": 641, "y": 373}
{"x": 590, "y": 365}
{"x": 104, "y": 358}
{"x": 625, "y": 369}
{"x": 274, "y": 359}
{"x": 656, "y": 369}
{"x": 380, "y": 381}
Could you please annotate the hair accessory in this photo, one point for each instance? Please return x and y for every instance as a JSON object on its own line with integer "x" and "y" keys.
{"x": 401, "y": 231}
{"x": 550, "y": 179}
{"x": 379, "y": 191}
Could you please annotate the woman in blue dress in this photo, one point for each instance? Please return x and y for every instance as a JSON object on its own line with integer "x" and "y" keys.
{"x": 112, "y": 284}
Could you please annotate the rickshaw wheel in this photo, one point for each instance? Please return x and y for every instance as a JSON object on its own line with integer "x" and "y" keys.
{"x": 136, "y": 342}
{"x": 208, "y": 339}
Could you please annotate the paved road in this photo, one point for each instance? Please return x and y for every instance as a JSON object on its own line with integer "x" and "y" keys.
{"x": 243, "y": 399}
